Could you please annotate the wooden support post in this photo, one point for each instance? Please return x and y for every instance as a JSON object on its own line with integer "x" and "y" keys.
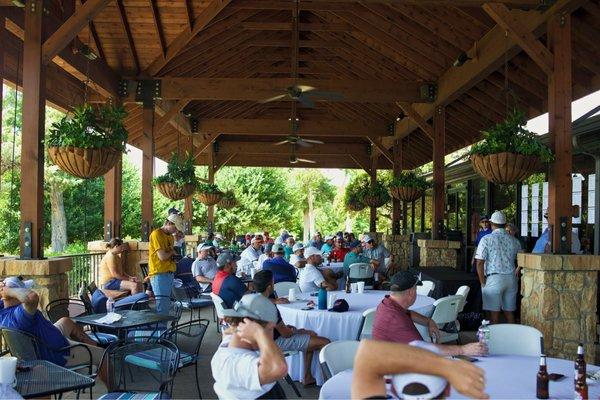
{"x": 31, "y": 241}
{"x": 188, "y": 212}
{"x": 2, "y": 40}
{"x": 211, "y": 179}
{"x": 439, "y": 151}
{"x": 147, "y": 147}
{"x": 559, "y": 110}
{"x": 396, "y": 204}
{"x": 373, "y": 210}
{"x": 113, "y": 188}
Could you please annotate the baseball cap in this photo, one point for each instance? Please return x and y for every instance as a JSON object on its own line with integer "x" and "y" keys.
{"x": 418, "y": 386}
{"x": 498, "y": 217}
{"x": 354, "y": 244}
{"x": 219, "y": 236}
{"x": 340, "y": 305}
{"x": 225, "y": 258}
{"x": 17, "y": 282}
{"x": 173, "y": 210}
{"x": 297, "y": 246}
{"x": 312, "y": 251}
{"x": 404, "y": 280}
{"x": 277, "y": 248}
{"x": 177, "y": 220}
{"x": 255, "y": 306}
{"x": 484, "y": 217}
{"x": 329, "y": 237}
{"x": 204, "y": 246}
{"x": 366, "y": 238}
{"x": 256, "y": 239}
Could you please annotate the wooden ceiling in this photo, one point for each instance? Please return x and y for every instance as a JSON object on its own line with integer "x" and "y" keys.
{"x": 216, "y": 59}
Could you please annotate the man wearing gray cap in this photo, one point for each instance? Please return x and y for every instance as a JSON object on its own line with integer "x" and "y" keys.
{"x": 204, "y": 267}
{"x": 376, "y": 252}
{"x": 249, "y": 364}
{"x": 226, "y": 285}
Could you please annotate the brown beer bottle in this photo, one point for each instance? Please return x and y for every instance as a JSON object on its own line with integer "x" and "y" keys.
{"x": 348, "y": 288}
{"x": 581, "y": 387}
{"x": 542, "y": 386}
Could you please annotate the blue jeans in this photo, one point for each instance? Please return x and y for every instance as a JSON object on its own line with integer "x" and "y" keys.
{"x": 162, "y": 285}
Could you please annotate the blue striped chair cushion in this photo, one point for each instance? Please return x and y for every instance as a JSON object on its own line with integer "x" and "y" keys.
{"x": 150, "y": 359}
{"x": 102, "y": 338}
{"x": 142, "y": 335}
{"x": 133, "y": 396}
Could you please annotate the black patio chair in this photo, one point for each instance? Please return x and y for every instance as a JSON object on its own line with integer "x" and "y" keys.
{"x": 190, "y": 302}
{"x": 188, "y": 338}
{"x": 154, "y": 331}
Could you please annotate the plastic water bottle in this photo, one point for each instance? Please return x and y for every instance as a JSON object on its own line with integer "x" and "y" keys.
{"x": 110, "y": 305}
{"x": 322, "y": 299}
{"x": 483, "y": 333}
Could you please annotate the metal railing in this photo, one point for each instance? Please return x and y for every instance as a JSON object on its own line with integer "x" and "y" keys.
{"x": 85, "y": 269}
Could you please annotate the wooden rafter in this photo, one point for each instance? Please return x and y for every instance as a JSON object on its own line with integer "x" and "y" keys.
{"x": 220, "y": 162}
{"x": 203, "y": 144}
{"x": 70, "y": 28}
{"x": 381, "y": 148}
{"x": 170, "y": 114}
{"x": 361, "y": 163}
{"x": 201, "y": 22}
{"x": 189, "y": 13}
{"x": 328, "y": 5}
{"x": 127, "y": 29}
{"x": 417, "y": 118}
{"x": 158, "y": 25}
{"x": 242, "y": 147}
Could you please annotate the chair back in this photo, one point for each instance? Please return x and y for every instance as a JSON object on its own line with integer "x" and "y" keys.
{"x": 360, "y": 272}
{"x": 85, "y": 299}
{"x": 219, "y": 304}
{"x": 338, "y": 356}
{"x": 426, "y": 288}
{"x": 366, "y": 326}
{"x": 188, "y": 336}
{"x": 464, "y": 292}
{"x": 446, "y": 309}
{"x": 61, "y": 308}
{"x": 283, "y": 288}
{"x": 146, "y": 366}
{"x": 21, "y": 344}
{"x": 144, "y": 268}
{"x": 515, "y": 339}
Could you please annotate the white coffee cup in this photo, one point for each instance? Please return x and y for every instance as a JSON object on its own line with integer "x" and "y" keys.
{"x": 331, "y": 299}
{"x": 353, "y": 287}
{"x": 8, "y": 368}
{"x": 361, "y": 286}
{"x": 292, "y": 294}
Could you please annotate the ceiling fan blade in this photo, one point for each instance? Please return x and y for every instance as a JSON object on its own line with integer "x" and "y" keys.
{"x": 274, "y": 98}
{"x": 303, "y": 143}
{"x": 305, "y": 88}
{"x": 331, "y": 96}
{"x": 282, "y": 142}
{"x": 306, "y": 102}
{"x": 306, "y": 161}
{"x": 313, "y": 141}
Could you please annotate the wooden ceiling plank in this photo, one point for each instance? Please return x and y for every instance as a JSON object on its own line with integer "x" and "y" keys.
{"x": 521, "y": 35}
{"x": 70, "y": 28}
{"x": 127, "y": 29}
{"x": 158, "y": 25}
{"x": 201, "y": 22}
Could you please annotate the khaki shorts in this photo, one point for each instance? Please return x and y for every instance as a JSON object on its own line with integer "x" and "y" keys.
{"x": 79, "y": 355}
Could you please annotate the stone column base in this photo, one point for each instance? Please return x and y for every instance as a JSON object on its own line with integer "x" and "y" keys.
{"x": 138, "y": 252}
{"x": 50, "y": 276}
{"x": 191, "y": 244}
{"x": 399, "y": 247}
{"x": 559, "y": 299}
{"x": 438, "y": 253}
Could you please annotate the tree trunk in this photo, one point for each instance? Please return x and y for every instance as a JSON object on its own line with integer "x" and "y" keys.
{"x": 306, "y": 226}
{"x": 59, "y": 220}
{"x": 311, "y": 214}
{"x": 348, "y": 224}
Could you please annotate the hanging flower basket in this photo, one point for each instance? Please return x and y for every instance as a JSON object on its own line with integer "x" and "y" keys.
{"x": 355, "y": 206}
{"x": 406, "y": 193}
{"x": 505, "y": 168}
{"x": 227, "y": 204}
{"x": 209, "y": 199}
{"x": 84, "y": 163}
{"x": 374, "y": 200}
{"x": 174, "y": 191}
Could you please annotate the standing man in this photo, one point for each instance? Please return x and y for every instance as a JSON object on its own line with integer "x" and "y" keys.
{"x": 484, "y": 230}
{"x": 161, "y": 266}
{"x": 251, "y": 254}
{"x": 376, "y": 252}
{"x": 226, "y": 285}
{"x": 204, "y": 267}
{"x": 496, "y": 255}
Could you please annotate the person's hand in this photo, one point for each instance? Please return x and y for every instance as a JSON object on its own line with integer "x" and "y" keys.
{"x": 474, "y": 349}
{"x": 134, "y": 279}
{"x": 467, "y": 379}
{"x": 282, "y": 300}
{"x": 249, "y": 331}
{"x": 433, "y": 330}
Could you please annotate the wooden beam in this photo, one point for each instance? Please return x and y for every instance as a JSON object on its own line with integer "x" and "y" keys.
{"x": 70, "y": 28}
{"x": 491, "y": 51}
{"x": 125, "y": 23}
{"x": 158, "y": 25}
{"x": 373, "y": 210}
{"x": 201, "y": 22}
{"x": 210, "y": 212}
{"x": 147, "y": 147}
{"x": 414, "y": 115}
{"x": 521, "y": 35}
{"x": 189, "y": 13}
{"x": 222, "y": 161}
{"x": 265, "y": 148}
{"x": 258, "y": 89}
{"x": 205, "y": 143}
{"x": 3, "y": 75}
{"x": 283, "y": 161}
{"x": 381, "y": 148}
{"x": 341, "y": 5}
{"x": 559, "y": 117}
{"x": 282, "y": 127}
{"x": 113, "y": 188}
{"x": 439, "y": 184}
{"x": 361, "y": 163}
{"x": 32, "y": 147}
{"x": 170, "y": 114}
{"x": 286, "y": 26}
{"x": 398, "y": 151}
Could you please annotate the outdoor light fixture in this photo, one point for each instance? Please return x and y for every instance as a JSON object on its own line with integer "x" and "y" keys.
{"x": 462, "y": 58}
{"x": 86, "y": 51}
{"x": 19, "y": 3}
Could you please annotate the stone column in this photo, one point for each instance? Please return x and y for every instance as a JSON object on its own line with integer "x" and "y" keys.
{"x": 138, "y": 252}
{"x": 50, "y": 276}
{"x": 559, "y": 299}
{"x": 438, "y": 253}
{"x": 399, "y": 247}
{"x": 191, "y": 244}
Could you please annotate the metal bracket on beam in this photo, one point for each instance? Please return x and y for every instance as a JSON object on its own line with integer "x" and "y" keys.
{"x": 148, "y": 90}
{"x": 145, "y": 231}
{"x": 108, "y": 231}
{"x": 545, "y": 5}
{"x": 391, "y": 129}
{"x": 27, "y": 248}
{"x": 369, "y": 149}
{"x": 194, "y": 124}
{"x": 187, "y": 227}
{"x": 428, "y": 92}
{"x": 440, "y": 229}
{"x": 563, "y": 225}
{"x": 215, "y": 147}
{"x": 123, "y": 88}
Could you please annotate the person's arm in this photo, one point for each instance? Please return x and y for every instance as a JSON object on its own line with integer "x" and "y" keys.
{"x": 470, "y": 349}
{"x": 284, "y": 330}
{"x": 376, "y": 359}
{"x": 27, "y": 297}
{"x": 271, "y": 365}
{"x": 480, "y": 256}
{"x": 432, "y": 327}
{"x": 165, "y": 255}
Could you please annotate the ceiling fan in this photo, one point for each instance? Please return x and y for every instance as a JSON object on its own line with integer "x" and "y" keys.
{"x": 297, "y": 140}
{"x": 296, "y": 160}
{"x": 306, "y": 95}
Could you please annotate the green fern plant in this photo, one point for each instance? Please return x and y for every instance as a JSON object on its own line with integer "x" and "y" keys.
{"x": 180, "y": 171}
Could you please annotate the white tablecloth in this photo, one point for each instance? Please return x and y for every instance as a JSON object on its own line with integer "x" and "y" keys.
{"x": 336, "y": 326}
{"x": 507, "y": 377}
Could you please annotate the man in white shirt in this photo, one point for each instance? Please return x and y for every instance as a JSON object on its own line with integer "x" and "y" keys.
{"x": 204, "y": 267}
{"x": 251, "y": 254}
{"x": 266, "y": 255}
{"x": 249, "y": 364}
{"x": 310, "y": 278}
{"x": 297, "y": 259}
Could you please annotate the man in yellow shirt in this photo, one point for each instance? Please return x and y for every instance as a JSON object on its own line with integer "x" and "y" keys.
{"x": 161, "y": 266}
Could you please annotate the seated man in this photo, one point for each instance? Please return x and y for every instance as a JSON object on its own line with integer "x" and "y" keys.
{"x": 328, "y": 245}
{"x": 354, "y": 256}
{"x": 376, "y": 252}
{"x": 394, "y": 322}
{"x": 251, "y": 254}
{"x": 287, "y": 337}
{"x": 339, "y": 250}
{"x": 248, "y": 364}
{"x": 281, "y": 269}
{"x": 112, "y": 266}
{"x": 317, "y": 241}
{"x": 204, "y": 268}
{"x": 310, "y": 278}
{"x": 289, "y": 247}
{"x": 226, "y": 285}
{"x": 297, "y": 259}
{"x": 21, "y": 312}
{"x": 375, "y": 361}
{"x": 265, "y": 256}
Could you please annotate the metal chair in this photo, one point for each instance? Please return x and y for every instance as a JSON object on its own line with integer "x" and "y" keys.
{"x": 426, "y": 288}
{"x": 515, "y": 339}
{"x": 337, "y": 356}
{"x": 188, "y": 338}
{"x": 147, "y": 367}
{"x": 154, "y": 331}
{"x": 190, "y": 302}
{"x": 219, "y": 308}
{"x": 366, "y": 325}
{"x": 283, "y": 288}
{"x": 361, "y": 272}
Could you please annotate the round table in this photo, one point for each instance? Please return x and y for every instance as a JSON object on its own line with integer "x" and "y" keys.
{"x": 507, "y": 377}
{"x": 336, "y": 326}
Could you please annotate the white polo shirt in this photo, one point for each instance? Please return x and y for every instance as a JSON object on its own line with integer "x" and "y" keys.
{"x": 310, "y": 278}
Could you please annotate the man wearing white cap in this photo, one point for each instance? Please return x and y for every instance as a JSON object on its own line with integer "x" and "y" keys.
{"x": 249, "y": 364}
{"x": 297, "y": 259}
{"x": 376, "y": 252}
{"x": 251, "y": 254}
{"x": 311, "y": 278}
{"x": 161, "y": 265}
{"x": 328, "y": 245}
{"x": 204, "y": 267}
{"x": 496, "y": 255}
